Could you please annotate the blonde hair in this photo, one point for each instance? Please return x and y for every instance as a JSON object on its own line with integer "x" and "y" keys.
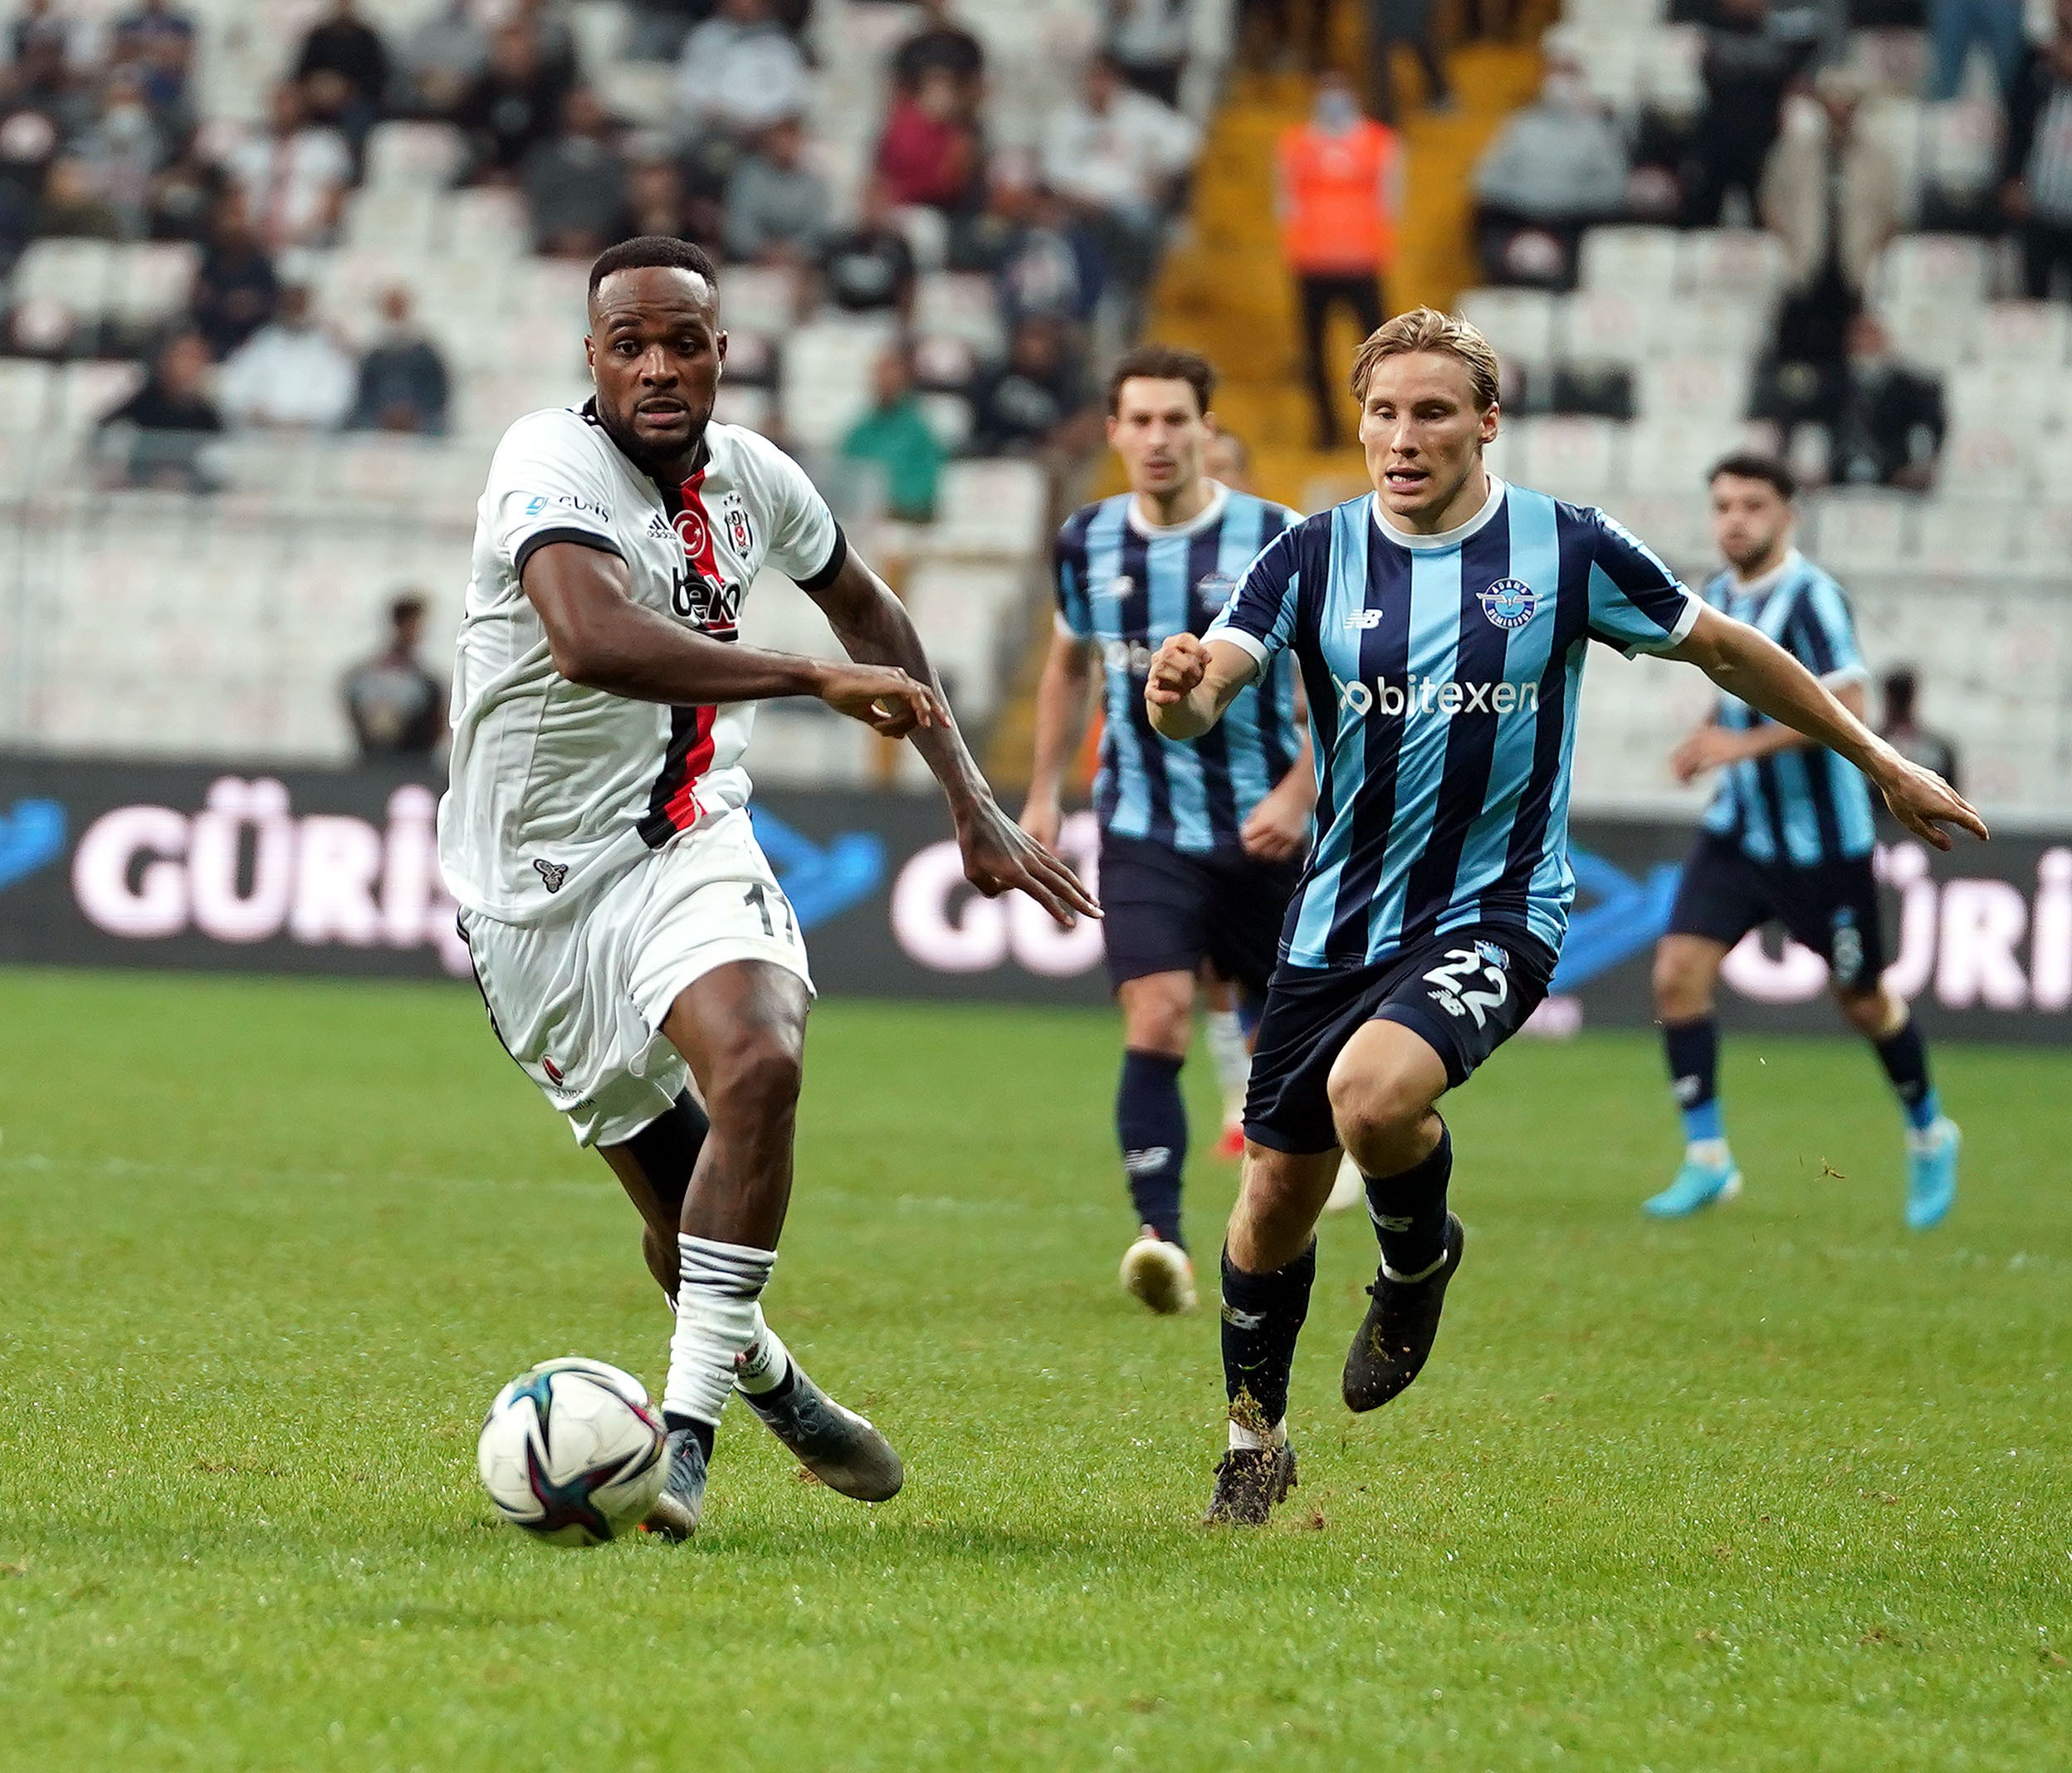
{"x": 1428, "y": 329}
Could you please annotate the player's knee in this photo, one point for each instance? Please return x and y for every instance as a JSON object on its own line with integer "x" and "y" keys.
{"x": 1158, "y": 1013}
{"x": 1869, "y": 1013}
{"x": 757, "y": 1072}
{"x": 1681, "y": 989}
{"x": 1374, "y": 1110}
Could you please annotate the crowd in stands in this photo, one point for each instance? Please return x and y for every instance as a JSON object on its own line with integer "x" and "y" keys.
{"x": 1836, "y": 130}
{"x": 102, "y": 137}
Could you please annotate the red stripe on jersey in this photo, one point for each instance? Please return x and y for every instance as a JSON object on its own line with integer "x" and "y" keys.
{"x": 681, "y": 811}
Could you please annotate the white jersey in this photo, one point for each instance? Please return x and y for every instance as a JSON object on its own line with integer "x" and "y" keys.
{"x": 554, "y": 786}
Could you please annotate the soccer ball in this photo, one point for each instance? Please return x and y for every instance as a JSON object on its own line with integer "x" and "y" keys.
{"x": 573, "y": 1451}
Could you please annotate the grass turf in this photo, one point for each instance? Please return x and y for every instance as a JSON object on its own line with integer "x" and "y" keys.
{"x": 1784, "y": 1487}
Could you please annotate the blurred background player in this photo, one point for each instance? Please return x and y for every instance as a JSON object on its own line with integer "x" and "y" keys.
{"x": 1446, "y": 614}
{"x": 1199, "y": 843}
{"x": 1787, "y": 839}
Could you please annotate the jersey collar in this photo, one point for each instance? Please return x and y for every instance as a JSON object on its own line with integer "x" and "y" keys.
{"x": 1209, "y": 515}
{"x": 1445, "y": 538}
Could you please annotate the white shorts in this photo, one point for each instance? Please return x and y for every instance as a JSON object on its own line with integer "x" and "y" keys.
{"x": 580, "y": 1001}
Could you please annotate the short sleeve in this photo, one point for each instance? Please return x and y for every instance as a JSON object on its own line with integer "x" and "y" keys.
{"x": 806, "y": 544}
{"x": 1636, "y": 604}
{"x": 1260, "y": 616}
{"x": 1068, "y": 575}
{"x": 547, "y": 484}
{"x": 1822, "y": 636}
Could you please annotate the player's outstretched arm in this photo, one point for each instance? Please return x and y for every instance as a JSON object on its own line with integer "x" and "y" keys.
{"x": 1061, "y": 717}
{"x": 601, "y": 638}
{"x": 1192, "y": 683}
{"x": 999, "y": 857}
{"x": 1749, "y": 664}
{"x": 1713, "y": 747}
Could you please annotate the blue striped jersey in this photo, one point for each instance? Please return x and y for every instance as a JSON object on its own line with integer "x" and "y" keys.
{"x": 1127, "y": 587}
{"x": 1804, "y": 806}
{"x": 1442, "y": 673}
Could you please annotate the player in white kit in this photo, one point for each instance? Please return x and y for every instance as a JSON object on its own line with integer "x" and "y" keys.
{"x": 627, "y": 933}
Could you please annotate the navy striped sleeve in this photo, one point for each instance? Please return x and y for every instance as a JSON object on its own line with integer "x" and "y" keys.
{"x": 1636, "y": 604}
{"x": 1822, "y": 633}
{"x": 1068, "y": 566}
{"x": 1260, "y": 615}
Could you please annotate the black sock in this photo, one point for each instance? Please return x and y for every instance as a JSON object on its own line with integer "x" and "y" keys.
{"x": 1905, "y": 1058}
{"x": 706, "y": 1432}
{"x": 1409, "y": 1209}
{"x": 1692, "y": 1048}
{"x": 1263, "y": 1315}
{"x": 1150, "y": 1122}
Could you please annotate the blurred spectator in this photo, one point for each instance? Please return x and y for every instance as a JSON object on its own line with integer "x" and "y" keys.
{"x": 344, "y": 70}
{"x": 1751, "y": 55}
{"x": 402, "y": 381}
{"x": 157, "y": 43}
{"x": 1556, "y": 167}
{"x": 557, "y": 41}
{"x": 42, "y": 30}
{"x": 658, "y": 203}
{"x": 31, "y": 133}
{"x": 73, "y": 206}
{"x": 1227, "y": 458}
{"x": 514, "y": 103}
{"x": 1051, "y": 265}
{"x": 1833, "y": 194}
{"x": 941, "y": 46}
{"x": 444, "y": 58}
{"x": 776, "y": 207}
{"x": 1409, "y": 22}
{"x": 1148, "y": 40}
{"x": 929, "y": 153}
{"x": 740, "y": 70}
{"x": 123, "y": 149}
{"x": 1338, "y": 187}
{"x": 236, "y": 291}
{"x": 895, "y": 435}
{"x": 291, "y": 374}
{"x": 1266, "y": 33}
{"x": 1887, "y": 420}
{"x": 184, "y": 193}
{"x": 40, "y": 83}
{"x": 1954, "y": 26}
{"x": 1902, "y": 730}
{"x": 2037, "y": 166}
{"x": 159, "y": 433}
{"x": 575, "y": 182}
{"x": 398, "y": 708}
{"x": 294, "y": 174}
{"x": 1121, "y": 155}
{"x": 870, "y": 267}
{"x": 1034, "y": 400}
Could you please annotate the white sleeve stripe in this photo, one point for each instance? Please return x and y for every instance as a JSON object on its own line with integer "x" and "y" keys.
{"x": 1687, "y": 619}
{"x": 1255, "y": 648}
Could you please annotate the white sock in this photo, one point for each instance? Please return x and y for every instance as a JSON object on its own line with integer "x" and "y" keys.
{"x": 716, "y": 1319}
{"x": 1250, "y": 1440}
{"x": 1710, "y": 1152}
{"x": 1231, "y": 1058}
{"x": 763, "y": 1365}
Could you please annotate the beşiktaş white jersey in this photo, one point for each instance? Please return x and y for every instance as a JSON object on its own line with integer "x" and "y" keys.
{"x": 555, "y": 787}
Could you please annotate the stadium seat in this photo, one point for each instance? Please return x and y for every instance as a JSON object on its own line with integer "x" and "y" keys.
{"x": 426, "y": 155}
{"x": 1703, "y": 389}
{"x": 759, "y": 298}
{"x": 1669, "y": 74}
{"x": 150, "y": 281}
{"x": 1932, "y": 334}
{"x": 1960, "y": 538}
{"x": 485, "y": 227}
{"x": 1729, "y": 329}
{"x": 949, "y": 417}
{"x": 1671, "y": 455}
{"x": 86, "y": 393}
{"x": 1960, "y": 147}
{"x": 826, "y": 385}
{"x": 2032, "y": 336}
{"x": 27, "y": 396}
{"x": 1639, "y": 263}
{"x": 1576, "y": 458}
{"x": 1862, "y": 532}
{"x": 1986, "y": 461}
{"x": 960, "y": 305}
{"x": 1521, "y": 323}
{"x": 1945, "y": 270}
{"x": 403, "y": 220}
{"x": 996, "y": 508}
{"x": 2004, "y": 396}
{"x": 1745, "y": 264}
{"x": 927, "y": 232}
{"x": 1604, "y": 328}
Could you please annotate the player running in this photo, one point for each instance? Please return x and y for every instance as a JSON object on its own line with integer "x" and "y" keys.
{"x": 627, "y": 931}
{"x": 1787, "y": 839}
{"x": 1440, "y": 624}
{"x": 1198, "y": 841}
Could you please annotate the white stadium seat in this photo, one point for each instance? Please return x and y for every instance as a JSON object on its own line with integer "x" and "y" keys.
{"x": 1744, "y": 263}
{"x": 1862, "y": 532}
{"x": 1521, "y": 323}
{"x": 1635, "y": 261}
{"x": 1575, "y": 458}
{"x": 1604, "y": 327}
{"x": 2033, "y": 336}
{"x": 996, "y": 508}
{"x": 427, "y": 155}
{"x": 1948, "y": 270}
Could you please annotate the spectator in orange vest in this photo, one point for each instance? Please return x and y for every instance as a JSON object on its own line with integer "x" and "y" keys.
{"x": 1341, "y": 180}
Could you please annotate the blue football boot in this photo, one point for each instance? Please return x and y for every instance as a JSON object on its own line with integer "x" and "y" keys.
{"x": 1932, "y": 1174}
{"x": 1697, "y": 1186}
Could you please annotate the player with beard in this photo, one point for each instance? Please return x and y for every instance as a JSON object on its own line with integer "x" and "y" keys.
{"x": 1440, "y": 624}
{"x": 628, "y": 934}
{"x": 1787, "y": 839}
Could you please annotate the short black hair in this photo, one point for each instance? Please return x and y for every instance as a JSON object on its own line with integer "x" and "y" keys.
{"x": 407, "y": 607}
{"x": 1162, "y": 362}
{"x": 655, "y": 252}
{"x": 1753, "y": 464}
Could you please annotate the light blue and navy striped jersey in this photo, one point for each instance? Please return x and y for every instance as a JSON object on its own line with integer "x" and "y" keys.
{"x": 1128, "y": 586}
{"x": 1807, "y": 805}
{"x": 1442, "y": 673}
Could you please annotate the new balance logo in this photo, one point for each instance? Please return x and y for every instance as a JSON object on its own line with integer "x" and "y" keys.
{"x": 553, "y": 873}
{"x": 1239, "y": 1320}
{"x": 1687, "y": 1089}
{"x": 1363, "y": 618}
{"x": 1150, "y": 1158}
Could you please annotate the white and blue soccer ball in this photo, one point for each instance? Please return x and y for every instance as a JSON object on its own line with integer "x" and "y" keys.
{"x": 574, "y": 1452}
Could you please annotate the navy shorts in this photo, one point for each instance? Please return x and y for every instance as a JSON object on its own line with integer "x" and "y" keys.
{"x": 1831, "y": 908}
{"x": 1465, "y": 993}
{"x": 1166, "y": 910}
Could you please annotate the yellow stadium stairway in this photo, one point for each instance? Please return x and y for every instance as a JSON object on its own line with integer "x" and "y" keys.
{"x": 1224, "y": 292}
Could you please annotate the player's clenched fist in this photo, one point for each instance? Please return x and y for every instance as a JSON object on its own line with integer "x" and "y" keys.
{"x": 882, "y": 696}
{"x": 1177, "y": 668}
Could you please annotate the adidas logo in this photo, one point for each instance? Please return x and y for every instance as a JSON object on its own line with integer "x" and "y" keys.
{"x": 659, "y": 526}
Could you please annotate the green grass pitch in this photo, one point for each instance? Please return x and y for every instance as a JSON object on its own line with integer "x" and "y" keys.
{"x": 1784, "y": 1488}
